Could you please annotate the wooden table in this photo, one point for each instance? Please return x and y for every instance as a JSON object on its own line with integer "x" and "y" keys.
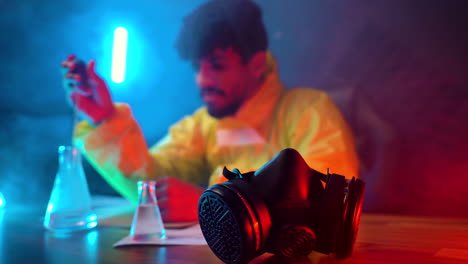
{"x": 382, "y": 239}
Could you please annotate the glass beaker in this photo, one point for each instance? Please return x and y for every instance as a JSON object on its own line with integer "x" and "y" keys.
{"x": 147, "y": 222}
{"x": 69, "y": 207}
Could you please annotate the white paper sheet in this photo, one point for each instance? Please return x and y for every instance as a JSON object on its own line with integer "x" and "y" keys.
{"x": 186, "y": 236}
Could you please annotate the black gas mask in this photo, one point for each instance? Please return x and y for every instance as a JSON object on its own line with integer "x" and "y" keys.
{"x": 283, "y": 208}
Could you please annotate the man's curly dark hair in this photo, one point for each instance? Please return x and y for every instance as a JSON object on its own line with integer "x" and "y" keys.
{"x": 222, "y": 24}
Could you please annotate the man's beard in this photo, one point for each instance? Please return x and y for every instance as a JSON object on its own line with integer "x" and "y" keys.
{"x": 224, "y": 112}
{"x": 229, "y": 110}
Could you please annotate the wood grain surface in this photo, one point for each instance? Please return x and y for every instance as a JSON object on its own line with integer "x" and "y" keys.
{"x": 382, "y": 239}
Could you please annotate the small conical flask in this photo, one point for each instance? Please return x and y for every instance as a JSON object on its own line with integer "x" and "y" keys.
{"x": 147, "y": 222}
{"x": 69, "y": 207}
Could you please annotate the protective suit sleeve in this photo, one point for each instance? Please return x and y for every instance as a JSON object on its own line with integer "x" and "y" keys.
{"x": 118, "y": 150}
{"x": 316, "y": 128}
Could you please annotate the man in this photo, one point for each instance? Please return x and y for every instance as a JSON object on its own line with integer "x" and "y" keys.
{"x": 247, "y": 119}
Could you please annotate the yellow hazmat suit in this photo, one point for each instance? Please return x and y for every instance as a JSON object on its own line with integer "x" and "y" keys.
{"x": 199, "y": 146}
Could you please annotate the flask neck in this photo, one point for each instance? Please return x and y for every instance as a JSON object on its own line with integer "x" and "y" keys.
{"x": 69, "y": 156}
{"x": 147, "y": 192}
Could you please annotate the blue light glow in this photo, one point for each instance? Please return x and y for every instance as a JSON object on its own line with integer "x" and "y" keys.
{"x": 2, "y": 201}
{"x": 119, "y": 55}
{"x": 92, "y": 237}
{"x": 91, "y": 225}
{"x": 92, "y": 217}
{"x": 143, "y": 65}
{"x": 50, "y": 207}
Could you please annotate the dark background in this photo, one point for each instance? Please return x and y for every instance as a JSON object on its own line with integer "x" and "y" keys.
{"x": 397, "y": 69}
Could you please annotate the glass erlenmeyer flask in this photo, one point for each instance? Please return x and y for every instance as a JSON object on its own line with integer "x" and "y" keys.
{"x": 69, "y": 207}
{"x": 147, "y": 222}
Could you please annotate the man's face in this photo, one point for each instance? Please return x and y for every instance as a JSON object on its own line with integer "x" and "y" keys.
{"x": 225, "y": 82}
